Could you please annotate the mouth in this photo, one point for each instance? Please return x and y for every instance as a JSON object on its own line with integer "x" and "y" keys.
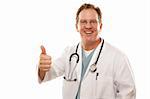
{"x": 88, "y": 32}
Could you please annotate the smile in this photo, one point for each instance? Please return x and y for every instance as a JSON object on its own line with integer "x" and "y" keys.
{"x": 88, "y": 32}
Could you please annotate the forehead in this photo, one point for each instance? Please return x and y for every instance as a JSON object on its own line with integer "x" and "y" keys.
{"x": 88, "y": 14}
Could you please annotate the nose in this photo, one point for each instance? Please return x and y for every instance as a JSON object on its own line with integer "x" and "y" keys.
{"x": 88, "y": 25}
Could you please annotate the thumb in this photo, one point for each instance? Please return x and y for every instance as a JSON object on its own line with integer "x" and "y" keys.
{"x": 43, "y": 50}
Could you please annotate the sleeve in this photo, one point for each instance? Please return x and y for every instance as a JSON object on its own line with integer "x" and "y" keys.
{"x": 124, "y": 82}
{"x": 57, "y": 69}
{"x": 51, "y": 74}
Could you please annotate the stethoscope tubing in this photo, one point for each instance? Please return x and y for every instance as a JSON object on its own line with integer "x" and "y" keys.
{"x": 70, "y": 73}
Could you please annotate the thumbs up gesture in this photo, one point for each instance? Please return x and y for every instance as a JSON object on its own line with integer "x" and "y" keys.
{"x": 45, "y": 60}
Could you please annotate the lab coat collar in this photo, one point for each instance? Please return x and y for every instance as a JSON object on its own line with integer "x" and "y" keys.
{"x": 79, "y": 65}
{"x": 94, "y": 57}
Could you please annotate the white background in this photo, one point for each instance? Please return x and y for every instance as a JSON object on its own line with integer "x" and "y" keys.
{"x": 26, "y": 24}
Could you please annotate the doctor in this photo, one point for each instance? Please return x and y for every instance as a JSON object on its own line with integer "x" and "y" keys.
{"x": 92, "y": 69}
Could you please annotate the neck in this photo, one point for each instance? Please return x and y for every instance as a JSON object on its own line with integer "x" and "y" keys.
{"x": 90, "y": 45}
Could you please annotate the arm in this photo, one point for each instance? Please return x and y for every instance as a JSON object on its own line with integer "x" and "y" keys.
{"x": 46, "y": 76}
{"x": 124, "y": 83}
{"x": 41, "y": 74}
{"x": 48, "y": 70}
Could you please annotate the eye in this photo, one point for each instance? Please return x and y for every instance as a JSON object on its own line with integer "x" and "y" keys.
{"x": 83, "y": 22}
{"x": 93, "y": 22}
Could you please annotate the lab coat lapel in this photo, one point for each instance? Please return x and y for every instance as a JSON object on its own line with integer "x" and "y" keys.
{"x": 93, "y": 59}
{"x": 79, "y": 65}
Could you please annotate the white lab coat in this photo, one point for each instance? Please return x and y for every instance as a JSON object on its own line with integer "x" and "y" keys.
{"x": 115, "y": 80}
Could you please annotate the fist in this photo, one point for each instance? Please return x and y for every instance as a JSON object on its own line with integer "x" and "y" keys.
{"x": 45, "y": 60}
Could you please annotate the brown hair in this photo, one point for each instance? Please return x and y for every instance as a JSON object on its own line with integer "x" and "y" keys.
{"x": 89, "y": 6}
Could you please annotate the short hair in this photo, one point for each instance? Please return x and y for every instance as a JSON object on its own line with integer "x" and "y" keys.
{"x": 89, "y": 6}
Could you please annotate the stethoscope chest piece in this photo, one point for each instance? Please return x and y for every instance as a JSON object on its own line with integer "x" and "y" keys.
{"x": 93, "y": 68}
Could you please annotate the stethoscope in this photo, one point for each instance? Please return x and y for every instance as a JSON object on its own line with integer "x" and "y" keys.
{"x": 93, "y": 67}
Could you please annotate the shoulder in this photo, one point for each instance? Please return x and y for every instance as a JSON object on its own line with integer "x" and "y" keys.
{"x": 70, "y": 48}
{"x": 116, "y": 56}
{"x": 113, "y": 51}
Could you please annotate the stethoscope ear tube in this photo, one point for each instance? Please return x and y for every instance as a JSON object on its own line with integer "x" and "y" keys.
{"x": 93, "y": 67}
{"x": 99, "y": 53}
{"x": 76, "y": 54}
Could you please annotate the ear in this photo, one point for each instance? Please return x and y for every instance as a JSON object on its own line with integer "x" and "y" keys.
{"x": 77, "y": 27}
{"x": 101, "y": 26}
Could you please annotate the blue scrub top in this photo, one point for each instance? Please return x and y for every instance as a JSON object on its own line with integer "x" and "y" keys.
{"x": 85, "y": 62}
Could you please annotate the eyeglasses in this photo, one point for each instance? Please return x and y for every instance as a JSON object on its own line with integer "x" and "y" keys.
{"x": 91, "y": 22}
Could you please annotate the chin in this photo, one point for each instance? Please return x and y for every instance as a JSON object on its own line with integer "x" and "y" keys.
{"x": 89, "y": 40}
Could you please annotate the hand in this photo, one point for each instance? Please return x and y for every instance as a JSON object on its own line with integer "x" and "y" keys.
{"x": 45, "y": 60}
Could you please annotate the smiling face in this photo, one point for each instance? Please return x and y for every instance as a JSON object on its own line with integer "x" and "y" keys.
{"x": 88, "y": 25}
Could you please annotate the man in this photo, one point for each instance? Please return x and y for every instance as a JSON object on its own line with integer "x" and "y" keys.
{"x": 92, "y": 69}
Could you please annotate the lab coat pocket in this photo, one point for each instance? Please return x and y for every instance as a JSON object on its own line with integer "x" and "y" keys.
{"x": 69, "y": 89}
{"x": 104, "y": 87}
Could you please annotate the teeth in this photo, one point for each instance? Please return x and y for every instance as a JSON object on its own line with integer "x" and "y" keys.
{"x": 88, "y": 32}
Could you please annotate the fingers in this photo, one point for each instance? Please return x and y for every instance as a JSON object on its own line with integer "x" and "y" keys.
{"x": 45, "y": 63}
{"x": 43, "y": 50}
{"x": 45, "y": 60}
{"x": 45, "y": 57}
{"x": 44, "y": 67}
